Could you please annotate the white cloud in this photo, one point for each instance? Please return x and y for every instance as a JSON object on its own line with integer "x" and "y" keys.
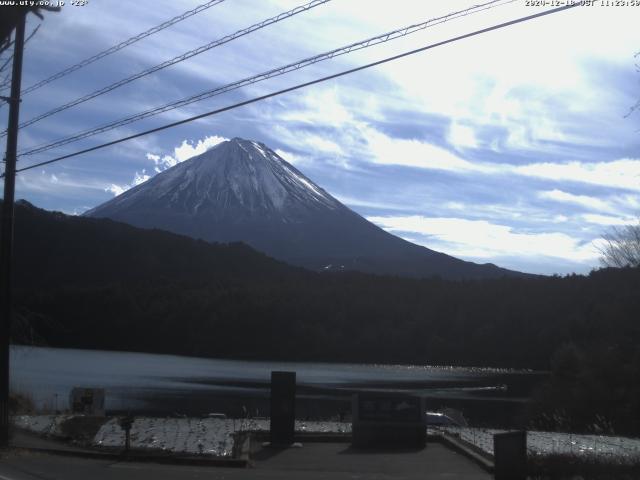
{"x": 138, "y": 178}
{"x": 414, "y": 153}
{"x": 292, "y": 158}
{"x": 181, "y": 153}
{"x": 59, "y": 184}
{"x": 321, "y": 107}
{"x": 462, "y": 136}
{"x": 582, "y": 200}
{"x": 321, "y": 144}
{"x": 528, "y": 122}
{"x": 607, "y": 220}
{"x": 629, "y": 201}
{"x": 384, "y": 149}
{"x": 506, "y": 80}
{"x": 187, "y": 150}
{"x": 117, "y": 189}
{"x": 184, "y": 151}
{"x": 162, "y": 163}
{"x": 481, "y": 239}
{"x": 360, "y": 202}
{"x": 623, "y": 173}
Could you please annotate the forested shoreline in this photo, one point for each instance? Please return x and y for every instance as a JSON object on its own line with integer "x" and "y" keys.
{"x": 90, "y": 283}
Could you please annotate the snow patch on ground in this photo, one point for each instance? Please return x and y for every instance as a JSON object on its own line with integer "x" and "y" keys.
{"x": 209, "y": 436}
{"x": 214, "y": 436}
{"x": 549, "y": 443}
{"x": 42, "y": 424}
{"x": 205, "y": 436}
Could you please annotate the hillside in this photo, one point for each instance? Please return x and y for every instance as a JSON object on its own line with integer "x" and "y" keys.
{"x": 54, "y": 249}
{"x": 114, "y": 286}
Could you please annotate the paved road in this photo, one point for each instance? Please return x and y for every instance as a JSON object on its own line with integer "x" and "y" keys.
{"x": 313, "y": 461}
{"x": 339, "y": 460}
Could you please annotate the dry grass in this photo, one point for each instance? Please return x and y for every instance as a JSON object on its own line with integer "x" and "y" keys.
{"x": 21, "y": 404}
{"x": 82, "y": 429}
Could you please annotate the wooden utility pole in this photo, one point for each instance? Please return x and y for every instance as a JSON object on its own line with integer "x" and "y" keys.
{"x": 6, "y": 234}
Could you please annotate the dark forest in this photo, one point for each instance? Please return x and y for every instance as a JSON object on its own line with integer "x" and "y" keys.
{"x": 89, "y": 283}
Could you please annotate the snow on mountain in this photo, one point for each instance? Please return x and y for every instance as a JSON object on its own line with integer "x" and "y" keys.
{"x": 241, "y": 190}
{"x": 237, "y": 173}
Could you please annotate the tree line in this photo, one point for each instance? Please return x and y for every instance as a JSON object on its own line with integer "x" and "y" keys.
{"x": 90, "y": 283}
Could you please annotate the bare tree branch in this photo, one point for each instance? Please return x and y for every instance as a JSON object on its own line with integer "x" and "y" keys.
{"x": 621, "y": 247}
{"x": 637, "y": 104}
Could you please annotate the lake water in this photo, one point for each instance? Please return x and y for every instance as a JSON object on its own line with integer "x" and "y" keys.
{"x": 169, "y": 384}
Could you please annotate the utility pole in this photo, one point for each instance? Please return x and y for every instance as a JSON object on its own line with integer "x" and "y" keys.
{"x": 6, "y": 234}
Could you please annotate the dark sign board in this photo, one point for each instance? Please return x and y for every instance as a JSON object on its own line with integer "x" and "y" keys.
{"x": 283, "y": 407}
{"x": 388, "y": 421}
{"x": 88, "y": 401}
{"x": 510, "y": 455}
{"x": 389, "y": 409}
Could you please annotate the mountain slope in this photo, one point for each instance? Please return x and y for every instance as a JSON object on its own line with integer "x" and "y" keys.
{"x": 241, "y": 190}
{"x": 52, "y": 249}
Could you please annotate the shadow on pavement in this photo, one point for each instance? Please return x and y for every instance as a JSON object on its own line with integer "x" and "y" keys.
{"x": 267, "y": 453}
{"x": 351, "y": 450}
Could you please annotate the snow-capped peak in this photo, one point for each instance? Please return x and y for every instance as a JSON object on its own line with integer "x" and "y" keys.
{"x": 235, "y": 177}
{"x": 241, "y": 190}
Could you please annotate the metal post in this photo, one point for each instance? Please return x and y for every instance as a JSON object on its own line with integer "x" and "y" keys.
{"x": 6, "y": 239}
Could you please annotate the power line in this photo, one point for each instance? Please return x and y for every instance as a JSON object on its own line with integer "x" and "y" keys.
{"x": 178, "y": 59}
{"x": 301, "y": 85}
{"x": 385, "y": 37}
{"x": 122, "y": 45}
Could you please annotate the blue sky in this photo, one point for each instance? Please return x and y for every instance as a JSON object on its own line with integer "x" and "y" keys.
{"x": 513, "y": 147}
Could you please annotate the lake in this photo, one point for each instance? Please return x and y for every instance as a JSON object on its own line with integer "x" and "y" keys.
{"x": 170, "y": 384}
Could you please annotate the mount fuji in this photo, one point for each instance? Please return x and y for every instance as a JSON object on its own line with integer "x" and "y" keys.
{"x": 240, "y": 190}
